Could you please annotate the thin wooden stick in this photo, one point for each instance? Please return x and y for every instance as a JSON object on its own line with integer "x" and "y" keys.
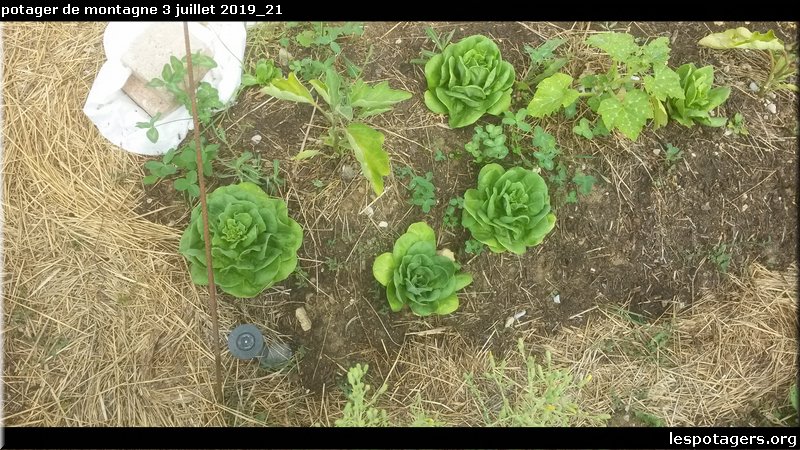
{"x": 212, "y": 288}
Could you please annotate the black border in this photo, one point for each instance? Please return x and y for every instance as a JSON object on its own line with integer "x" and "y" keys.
{"x": 328, "y": 438}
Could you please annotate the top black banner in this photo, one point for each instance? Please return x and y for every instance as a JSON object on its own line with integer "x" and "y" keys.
{"x": 284, "y": 10}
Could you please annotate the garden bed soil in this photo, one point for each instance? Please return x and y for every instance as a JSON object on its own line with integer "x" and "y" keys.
{"x": 643, "y": 239}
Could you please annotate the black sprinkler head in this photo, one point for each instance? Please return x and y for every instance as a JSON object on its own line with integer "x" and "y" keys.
{"x": 247, "y": 342}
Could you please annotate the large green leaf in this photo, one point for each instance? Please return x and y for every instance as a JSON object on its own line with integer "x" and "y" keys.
{"x": 666, "y": 83}
{"x": 619, "y": 46}
{"x": 382, "y": 268}
{"x": 375, "y": 99}
{"x": 322, "y": 90}
{"x": 367, "y": 145}
{"x": 742, "y": 38}
{"x": 551, "y": 94}
{"x": 289, "y": 89}
{"x": 628, "y": 115}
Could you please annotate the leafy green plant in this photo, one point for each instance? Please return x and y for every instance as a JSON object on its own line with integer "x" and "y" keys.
{"x": 150, "y": 126}
{"x": 440, "y": 41}
{"x": 721, "y": 257}
{"x": 467, "y": 80}
{"x": 487, "y": 143}
{"x": 793, "y": 399}
{"x": 254, "y": 242}
{"x": 321, "y": 34}
{"x": 415, "y": 275}
{"x": 264, "y": 73}
{"x": 182, "y": 161}
{"x": 584, "y": 182}
{"x": 632, "y": 91}
{"x": 474, "y": 247}
{"x": 547, "y": 150}
{"x": 585, "y": 129}
{"x": 422, "y": 191}
{"x": 544, "y": 397}
{"x": 174, "y": 78}
{"x": 347, "y": 102}
{"x": 451, "y": 219}
{"x": 783, "y": 60}
{"x": 439, "y": 156}
{"x": 672, "y": 154}
{"x": 509, "y": 210}
{"x": 700, "y": 98}
{"x": 182, "y": 164}
{"x": 736, "y": 126}
{"x": 543, "y": 62}
{"x": 358, "y": 411}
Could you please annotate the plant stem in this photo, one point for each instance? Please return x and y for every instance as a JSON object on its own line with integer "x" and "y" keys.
{"x": 212, "y": 288}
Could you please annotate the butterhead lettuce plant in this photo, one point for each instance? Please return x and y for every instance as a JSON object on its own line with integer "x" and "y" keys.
{"x": 700, "y": 97}
{"x": 416, "y": 275}
{"x": 509, "y": 210}
{"x": 467, "y": 80}
{"x": 254, "y": 242}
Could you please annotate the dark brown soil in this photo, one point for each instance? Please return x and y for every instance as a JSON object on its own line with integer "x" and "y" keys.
{"x": 642, "y": 239}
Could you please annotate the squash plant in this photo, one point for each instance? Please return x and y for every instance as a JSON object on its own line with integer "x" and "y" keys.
{"x": 636, "y": 87}
{"x": 346, "y": 102}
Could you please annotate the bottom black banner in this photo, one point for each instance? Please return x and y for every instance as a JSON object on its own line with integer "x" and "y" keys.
{"x": 325, "y": 438}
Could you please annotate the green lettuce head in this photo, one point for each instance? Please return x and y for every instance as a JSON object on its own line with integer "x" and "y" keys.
{"x": 699, "y": 97}
{"x": 467, "y": 80}
{"x": 254, "y": 242}
{"x": 509, "y": 211}
{"x": 415, "y": 275}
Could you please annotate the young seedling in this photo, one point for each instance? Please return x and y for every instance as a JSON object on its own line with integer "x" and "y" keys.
{"x": 264, "y": 73}
{"x": 422, "y": 191}
{"x": 548, "y": 151}
{"x": 452, "y": 218}
{"x": 721, "y": 257}
{"x": 488, "y": 143}
{"x": 439, "y": 41}
{"x": 736, "y": 126}
{"x": 346, "y": 102}
{"x": 672, "y": 155}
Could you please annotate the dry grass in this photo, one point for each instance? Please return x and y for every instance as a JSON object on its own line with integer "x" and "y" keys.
{"x": 729, "y": 355}
{"x": 102, "y": 324}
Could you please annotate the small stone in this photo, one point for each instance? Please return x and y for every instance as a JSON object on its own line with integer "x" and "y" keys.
{"x": 348, "y": 173}
{"x": 657, "y": 151}
{"x": 744, "y": 207}
{"x": 772, "y": 108}
{"x": 149, "y": 200}
{"x": 255, "y": 139}
{"x": 557, "y": 299}
{"x": 302, "y": 317}
{"x": 694, "y": 154}
{"x": 719, "y": 24}
{"x": 744, "y": 196}
{"x": 772, "y": 95}
{"x": 398, "y": 41}
{"x": 284, "y": 56}
{"x": 383, "y": 224}
{"x": 368, "y": 211}
{"x": 716, "y": 153}
{"x": 706, "y": 207}
{"x": 592, "y": 270}
{"x": 447, "y": 253}
{"x": 754, "y": 87}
